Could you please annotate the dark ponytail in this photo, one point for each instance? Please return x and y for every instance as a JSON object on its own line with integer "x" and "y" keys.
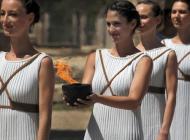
{"x": 126, "y": 9}
{"x": 32, "y": 6}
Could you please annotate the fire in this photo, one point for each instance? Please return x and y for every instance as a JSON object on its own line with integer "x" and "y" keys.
{"x": 64, "y": 71}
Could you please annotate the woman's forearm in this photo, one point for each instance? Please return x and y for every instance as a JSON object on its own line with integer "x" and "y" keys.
{"x": 44, "y": 128}
{"x": 168, "y": 113}
{"x": 122, "y": 102}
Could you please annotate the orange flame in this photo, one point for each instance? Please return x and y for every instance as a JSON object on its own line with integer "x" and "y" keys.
{"x": 64, "y": 71}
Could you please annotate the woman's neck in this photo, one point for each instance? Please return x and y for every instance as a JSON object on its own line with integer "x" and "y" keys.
{"x": 182, "y": 37}
{"x": 124, "y": 49}
{"x": 21, "y": 47}
{"x": 149, "y": 41}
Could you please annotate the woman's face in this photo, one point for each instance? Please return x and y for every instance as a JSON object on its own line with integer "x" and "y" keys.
{"x": 148, "y": 21}
{"x": 180, "y": 15}
{"x": 14, "y": 19}
{"x": 118, "y": 27}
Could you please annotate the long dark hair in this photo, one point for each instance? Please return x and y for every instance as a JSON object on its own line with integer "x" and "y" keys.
{"x": 32, "y": 6}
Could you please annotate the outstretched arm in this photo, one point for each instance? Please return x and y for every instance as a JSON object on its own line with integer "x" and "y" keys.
{"x": 171, "y": 87}
{"x": 46, "y": 89}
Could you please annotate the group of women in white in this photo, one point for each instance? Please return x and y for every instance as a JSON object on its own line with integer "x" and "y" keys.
{"x": 166, "y": 118}
{"x": 131, "y": 109}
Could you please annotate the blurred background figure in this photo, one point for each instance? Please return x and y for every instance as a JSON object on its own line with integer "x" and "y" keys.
{"x": 180, "y": 16}
{"x": 156, "y": 110}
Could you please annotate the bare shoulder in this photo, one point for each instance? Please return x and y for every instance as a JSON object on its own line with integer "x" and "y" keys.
{"x": 91, "y": 59}
{"x": 145, "y": 60}
{"x": 172, "y": 55}
{"x": 145, "y": 64}
{"x": 47, "y": 62}
{"x": 46, "y": 69}
{"x": 91, "y": 56}
{"x": 172, "y": 60}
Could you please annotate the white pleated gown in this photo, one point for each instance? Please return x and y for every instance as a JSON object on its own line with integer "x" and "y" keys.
{"x": 180, "y": 128}
{"x": 108, "y": 123}
{"x": 153, "y": 104}
{"x": 23, "y": 88}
